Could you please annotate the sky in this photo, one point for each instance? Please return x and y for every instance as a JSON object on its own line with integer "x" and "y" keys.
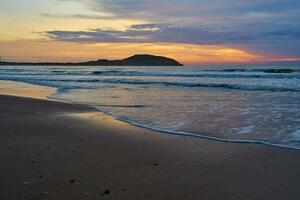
{"x": 191, "y": 31}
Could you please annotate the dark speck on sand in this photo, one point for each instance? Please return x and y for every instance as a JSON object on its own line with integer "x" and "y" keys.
{"x": 106, "y": 192}
{"x": 72, "y": 181}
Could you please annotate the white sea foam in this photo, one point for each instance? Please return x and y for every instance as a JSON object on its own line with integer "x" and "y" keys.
{"x": 244, "y": 130}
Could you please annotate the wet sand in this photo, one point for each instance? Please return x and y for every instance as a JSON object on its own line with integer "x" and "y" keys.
{"x": 54, "y": 150}
{"x": 25, "y": 90}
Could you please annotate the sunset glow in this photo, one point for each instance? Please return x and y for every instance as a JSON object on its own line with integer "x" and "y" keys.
{"x": 75, "y": 30}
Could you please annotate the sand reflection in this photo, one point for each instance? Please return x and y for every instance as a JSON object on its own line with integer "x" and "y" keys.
{"x": 25, "y": 90}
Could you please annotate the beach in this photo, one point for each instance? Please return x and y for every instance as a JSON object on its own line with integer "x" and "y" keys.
{"x": 57, "y": 150}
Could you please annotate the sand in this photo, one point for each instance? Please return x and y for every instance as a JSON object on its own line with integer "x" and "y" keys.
{"x": 55, "y": 150}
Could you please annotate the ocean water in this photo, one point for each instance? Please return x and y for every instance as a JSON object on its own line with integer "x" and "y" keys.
{"x": 247, "y": 104}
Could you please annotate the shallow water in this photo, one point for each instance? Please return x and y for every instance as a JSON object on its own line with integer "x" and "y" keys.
{"x": 244, "y": 104}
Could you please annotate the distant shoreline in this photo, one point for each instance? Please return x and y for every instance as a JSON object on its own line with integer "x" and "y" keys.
{"x": 136, "y": 60}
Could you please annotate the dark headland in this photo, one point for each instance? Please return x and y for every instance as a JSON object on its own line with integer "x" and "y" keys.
{"x": 136, "y": 60}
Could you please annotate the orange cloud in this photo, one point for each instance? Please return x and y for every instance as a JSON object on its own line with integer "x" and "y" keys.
{"x": 32, "y": 50}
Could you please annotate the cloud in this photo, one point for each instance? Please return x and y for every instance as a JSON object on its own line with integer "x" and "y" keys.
{"x": 79, "y": 16}
{"x": 169, "y": 33}
{"x": 188, "y": 8}
{"x": 149, "y": 26}
{"x": 267, "y": 26}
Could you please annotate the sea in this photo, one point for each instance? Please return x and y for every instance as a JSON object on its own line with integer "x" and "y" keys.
{"x": 241, "y": 104}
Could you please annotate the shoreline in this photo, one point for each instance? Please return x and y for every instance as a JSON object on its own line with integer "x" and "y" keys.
{"x": 57, "y": 150}
{"x": 199, "y": 136}
{"x": 44, "y": 92}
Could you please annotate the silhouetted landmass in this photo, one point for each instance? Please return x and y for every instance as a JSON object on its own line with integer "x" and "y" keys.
{"x": 136, "y": 60}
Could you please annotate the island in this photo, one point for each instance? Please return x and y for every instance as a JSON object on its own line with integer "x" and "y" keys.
{"x": 136, "y": 60}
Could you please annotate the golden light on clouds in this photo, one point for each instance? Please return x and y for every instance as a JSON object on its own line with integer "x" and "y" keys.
{"x": 33, "y": 29}
{"x": 22, "y": 39}
{"x": 30, "y": 50}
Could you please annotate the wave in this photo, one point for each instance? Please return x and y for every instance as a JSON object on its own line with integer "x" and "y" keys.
{"x": 198, "y": 84}
{"x": 237, "y": 86}
{"x": 235, "y": 73}
{"x": 283, "y": 144}
{"x": 124, "y": 106}
{"x": 270, "y": 70}
{"x": 190, "y": 84}
{"x": 204, "y": 74}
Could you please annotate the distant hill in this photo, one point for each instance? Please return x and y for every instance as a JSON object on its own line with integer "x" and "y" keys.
{"x": 136, "y": 60}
